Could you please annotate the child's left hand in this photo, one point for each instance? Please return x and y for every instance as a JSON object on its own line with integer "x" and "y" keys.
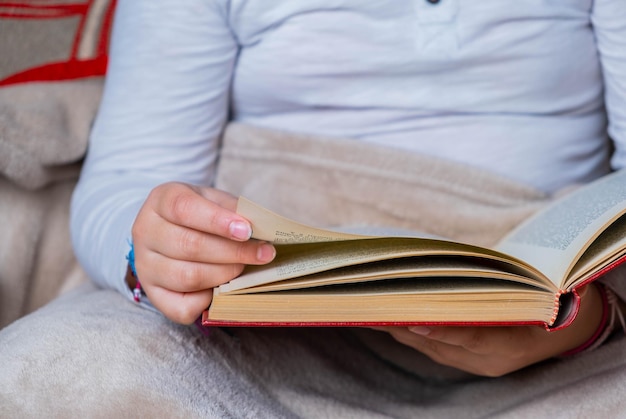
{"x": 496, "y": 351}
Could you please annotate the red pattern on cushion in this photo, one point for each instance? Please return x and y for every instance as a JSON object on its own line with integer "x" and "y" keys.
{"x": 89, "y": 53}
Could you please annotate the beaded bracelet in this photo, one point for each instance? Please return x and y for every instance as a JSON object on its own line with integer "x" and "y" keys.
{"x": 137, "y": 292}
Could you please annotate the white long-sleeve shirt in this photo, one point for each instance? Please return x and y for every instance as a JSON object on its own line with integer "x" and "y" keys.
{"x": 533, "y": 89}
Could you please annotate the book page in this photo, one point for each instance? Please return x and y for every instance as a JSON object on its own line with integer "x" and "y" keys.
{"x": 556, "y": 237}
{"x": 304, "y": 250}
{"x": 447, "y": 300}
{"x": 269, "y": 226}
{"x": 272, "y": 227}
{"x": 418, "y": 269}
{"x": 609, "y": 247}
{"x": 295, "y": 260}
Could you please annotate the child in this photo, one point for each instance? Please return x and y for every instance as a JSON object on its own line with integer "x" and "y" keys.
{"x": 530, "y": 99}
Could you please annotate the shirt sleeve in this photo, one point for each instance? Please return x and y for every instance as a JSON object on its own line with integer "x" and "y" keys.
{"x": 164, "y": 106}
{"x": 609, "y": 22}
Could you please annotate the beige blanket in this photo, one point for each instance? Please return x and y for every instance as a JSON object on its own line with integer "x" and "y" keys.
{"x": 123, "y": 360}
{"x": 325, "y": 181}
{"x": 43, "y": 137}
{"x": 37, "y": 261}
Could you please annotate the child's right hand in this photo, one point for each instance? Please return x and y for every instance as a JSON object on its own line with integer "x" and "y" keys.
{"x": 188, "y": 240}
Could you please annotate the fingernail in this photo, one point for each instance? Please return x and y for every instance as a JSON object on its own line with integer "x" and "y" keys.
{"x": 240, "y": 230}
{"x": 420, "y": 330}
{"x": 265, "y": 252}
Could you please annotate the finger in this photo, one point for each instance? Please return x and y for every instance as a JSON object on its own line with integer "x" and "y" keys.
{"x": 185, "y": 276}
{"x": 220, "y": 197}
{"x": 183, "y": 243}
{"x": 457, "y": 356}
{"x": 487, "y": 351}
{"x": 440, "y": 352}
{"x": 184, "y": 205}
{"x": 479, "y": 340}
{"x": 182, "y": 308}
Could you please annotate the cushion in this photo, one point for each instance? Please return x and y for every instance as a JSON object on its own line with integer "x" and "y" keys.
{"x": 51, "y": 76}
{"x": 52, "y": 65}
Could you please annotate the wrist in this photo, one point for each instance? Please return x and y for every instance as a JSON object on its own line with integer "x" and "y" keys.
{"x": 130, "y": 278}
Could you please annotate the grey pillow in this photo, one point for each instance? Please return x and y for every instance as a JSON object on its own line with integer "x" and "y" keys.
{"x": 51, "y": 74}
{"x": 44, "y": 129}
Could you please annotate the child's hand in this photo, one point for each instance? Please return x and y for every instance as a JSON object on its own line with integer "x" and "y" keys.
{"x": 188, "y": 240}
{"x": 495, "y": 351}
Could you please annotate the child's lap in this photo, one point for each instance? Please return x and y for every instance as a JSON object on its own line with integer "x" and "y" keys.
{"x": 92, "y": 352}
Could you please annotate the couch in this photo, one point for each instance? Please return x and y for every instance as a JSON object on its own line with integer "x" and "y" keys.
{"x": 53, "y": 57}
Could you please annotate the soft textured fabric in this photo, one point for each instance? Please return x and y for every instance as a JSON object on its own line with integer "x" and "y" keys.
{"x": 53, "y": 56}
{"x": 333, "y": 182}
{"x": 51, "y": 66}
{"x": 53, "y": 40}
{"x": 97, "y": 355}
{"x": 94, "y": 353}
{"x": 44, "y": 128}
{"x": 530, "y": 92}
{"x": 36, "y": 258}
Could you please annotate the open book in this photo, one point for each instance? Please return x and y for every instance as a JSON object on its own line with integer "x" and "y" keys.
{"x": 326, "y": 277}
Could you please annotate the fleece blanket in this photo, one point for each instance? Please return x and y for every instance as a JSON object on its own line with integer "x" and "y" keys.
{"x": 43, "y": 137}
{"x": 37, "y": 262}
{"x": 92, "y": 353}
